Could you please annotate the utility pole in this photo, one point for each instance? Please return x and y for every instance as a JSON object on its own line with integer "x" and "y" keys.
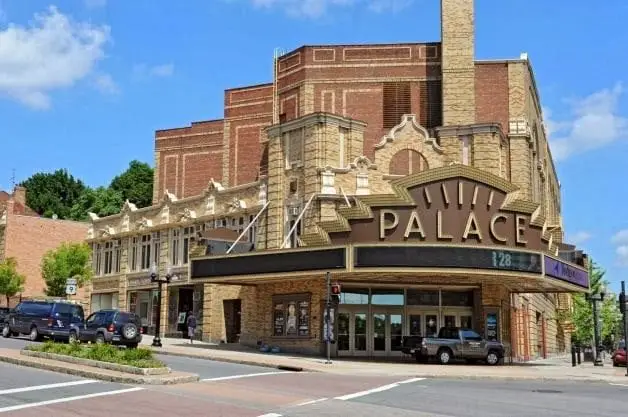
{"x": 328, "y": 318}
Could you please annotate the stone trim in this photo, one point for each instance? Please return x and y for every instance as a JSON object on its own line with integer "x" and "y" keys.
{"x": 315, "y": 118}
{"x": 469, "y": 130}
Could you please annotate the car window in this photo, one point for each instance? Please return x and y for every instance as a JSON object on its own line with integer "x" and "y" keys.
{"x": 40, "y": 309}
{"x": 77, "y": 313}
{"x": 62, "y": 309}
{"x": 448, "y": 333}
{"x": 127, "y": 318}
{"x": 471, "y": 335}
{"x": 91, "y": 318}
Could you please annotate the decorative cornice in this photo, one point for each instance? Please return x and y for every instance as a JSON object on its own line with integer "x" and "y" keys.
{"x": 409, "y": 119}
{"x": 402, "y": 198}
{"x": 468, "y": 130}
{"x": 315, "y": 118}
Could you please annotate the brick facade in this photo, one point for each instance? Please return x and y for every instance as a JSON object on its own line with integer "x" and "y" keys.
{"x": 338, "y": 120}
{"x": 27, "y": 237}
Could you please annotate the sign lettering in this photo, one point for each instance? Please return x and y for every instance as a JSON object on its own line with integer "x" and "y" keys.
{"x": 565, "y": 272}
{"x": 389, "y": 220}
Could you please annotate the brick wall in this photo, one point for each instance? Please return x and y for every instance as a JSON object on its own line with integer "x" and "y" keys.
{"x": 28, "y": 238}
{"x": 491, "y": 93}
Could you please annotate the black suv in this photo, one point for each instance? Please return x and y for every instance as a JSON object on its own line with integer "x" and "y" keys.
{"x": 38, "y": 319}
{"x": 110, "y": 326}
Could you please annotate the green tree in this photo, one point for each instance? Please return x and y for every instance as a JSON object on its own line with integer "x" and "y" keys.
{"x": 53, "y": 193}
{"x": 11, "y": 281}
{"x": 101, "y": 201}
{"x": 135, "y": 184}
{"x": 70, "y": 260}
{"x": 582, "y": 314}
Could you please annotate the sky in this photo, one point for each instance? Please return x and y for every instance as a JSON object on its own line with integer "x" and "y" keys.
{"x": 85, "y": 83}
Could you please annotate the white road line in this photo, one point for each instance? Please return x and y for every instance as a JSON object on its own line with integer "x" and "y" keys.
{"x": 225, "y": 378}
{"x": 311, "y": 402}
{"x": 408, "y": 381}
{"x": 619, "y": 385}
{"x": 378, "y": 389}
{"x": 270, "y": 415}
{"x": 68, "y": 399}
{"x": 48, "y": 386}
{"x": 367, "y": 392}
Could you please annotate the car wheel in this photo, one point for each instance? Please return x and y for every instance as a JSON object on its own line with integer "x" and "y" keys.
{"x": 6, "y": 331}
{"x": 129, "y": 331}
{"x": 73, "y": 338}
{"x": 444, "y": 356}
{"x": 100, "y": 339}
{"x": 34, "y": 334}
{"x": 492, "y": 358}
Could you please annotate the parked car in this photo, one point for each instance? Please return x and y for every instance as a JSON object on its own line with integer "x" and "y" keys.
{"x": 619, "y": 355}
{"x": 110, "y": 326}
{"x": 53, "y": 319}
{"x": 459, "y": 343}
{"x": 4, "y": 312}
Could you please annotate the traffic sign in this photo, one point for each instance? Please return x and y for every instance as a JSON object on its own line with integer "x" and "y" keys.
{"x": 70, "y": 289}
{"x": 70, "y": 281}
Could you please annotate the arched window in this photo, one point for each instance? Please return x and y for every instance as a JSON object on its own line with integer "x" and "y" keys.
{"x": 406, "y": 162}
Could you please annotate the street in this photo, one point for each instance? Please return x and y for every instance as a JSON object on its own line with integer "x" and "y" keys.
{"x": 248, "y": 391}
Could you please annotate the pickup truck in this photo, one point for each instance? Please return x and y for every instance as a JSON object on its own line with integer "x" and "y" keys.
{"x": 458, "y": 343}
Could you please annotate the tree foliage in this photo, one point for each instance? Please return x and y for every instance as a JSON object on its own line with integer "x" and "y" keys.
{"x": 609, "y": 315}
{"x": 69, "y": 198}
{"x": 70, "y": 260}
{"x": 135, "y": 184}
{"x": 53, "y": 193}
{"x": 11, "y": 281}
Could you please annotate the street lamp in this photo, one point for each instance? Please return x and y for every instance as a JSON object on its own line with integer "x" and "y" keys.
{"x": 595, "y": 298}
{"x": 154, "y": 277}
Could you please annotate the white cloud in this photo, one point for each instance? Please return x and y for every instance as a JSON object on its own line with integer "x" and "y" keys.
{"x": 106, "y": 85}
{"x": 93, "y": 4}
{"x": 53, "y": 52}
{"x": 579, "y": 238}
{"x": 317, "y": 8}
{"x": 620, "y": 239}
{"x": 594, "y": 122}
{"x": 144, "y": 71}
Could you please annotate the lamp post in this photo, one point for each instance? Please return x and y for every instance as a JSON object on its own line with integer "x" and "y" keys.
{"x": 595, "y": 298}
{"x": 154, "y": 277}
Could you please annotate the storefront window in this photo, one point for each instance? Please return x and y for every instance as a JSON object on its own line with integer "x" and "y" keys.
{"x": 354, "y": 296}
{"x": 384, "y": 297}
{"x": 422, "y": 297}
{"x": 457, "y": 298}
{"x": 291, "y": 315}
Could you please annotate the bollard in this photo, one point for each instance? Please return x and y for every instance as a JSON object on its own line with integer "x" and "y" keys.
{"x": 573, "y": 355}
{"x": 579, "y": 354}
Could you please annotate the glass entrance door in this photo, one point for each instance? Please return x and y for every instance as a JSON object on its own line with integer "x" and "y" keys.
{"x": 423, "y": 323}
{"x": 386, "y": 332}
{"x": 352, "y": 333}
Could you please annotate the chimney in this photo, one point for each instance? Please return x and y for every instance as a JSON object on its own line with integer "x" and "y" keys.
{"x": 19, "y": 195}
{"x": 458, "y": 61}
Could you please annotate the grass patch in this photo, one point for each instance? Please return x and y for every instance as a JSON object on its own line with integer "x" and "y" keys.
{"x": 140, "y": 357}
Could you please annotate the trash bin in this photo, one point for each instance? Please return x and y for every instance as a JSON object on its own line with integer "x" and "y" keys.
{"x": 588, "y": 354}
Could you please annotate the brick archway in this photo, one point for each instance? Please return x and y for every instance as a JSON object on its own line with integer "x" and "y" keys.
{"x": 407, "y": 162}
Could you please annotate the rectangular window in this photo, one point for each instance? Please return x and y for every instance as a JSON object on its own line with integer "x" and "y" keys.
{"x": 252, "y": 230}
{"x": 175, "y": 235}
{"x": 291, "y": 315}
{"x": 466, "y": 151}
{"x": 188, "y": 232}
{"x": 108, "y": 255}
{"x": 156, "y": 247}
{"x": 145, "y": 261}
{"x": 97, "y": 254}
{"x": 117, "y": 256}
{"x": 430, "y": 103}
{"x": 397, "y": 101}
{"x": 341, "y": 148}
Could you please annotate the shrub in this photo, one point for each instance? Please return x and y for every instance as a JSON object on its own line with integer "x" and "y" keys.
{"x": 141, "y": 357}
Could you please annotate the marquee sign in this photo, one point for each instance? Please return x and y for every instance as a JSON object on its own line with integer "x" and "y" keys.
{"x": 565, "y": 272}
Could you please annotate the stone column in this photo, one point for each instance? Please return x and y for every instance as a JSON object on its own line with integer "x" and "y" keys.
{"x": 276, "y": 191}
{"x": 208, "y": 292}
{"x": 458, "y": 62}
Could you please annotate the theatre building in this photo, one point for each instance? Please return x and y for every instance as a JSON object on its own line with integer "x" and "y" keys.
{"x": 418, "y": 178}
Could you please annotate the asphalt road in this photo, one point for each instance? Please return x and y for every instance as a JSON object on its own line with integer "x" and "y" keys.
{"x": 248, "y": 391}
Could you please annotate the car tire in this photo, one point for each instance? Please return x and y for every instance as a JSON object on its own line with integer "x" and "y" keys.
{"x": 34, "y": 334}
{"x": 444, "y": 356}
{"x": 492, "y": 358}
{"x": 100, "y": 339}
{"x": 73, "y": 337}
{"x": 129, "y": 331}
{"x": 6, "y": 331}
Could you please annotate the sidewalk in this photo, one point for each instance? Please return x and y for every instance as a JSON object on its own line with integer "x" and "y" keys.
{"x": 547, "y": 369}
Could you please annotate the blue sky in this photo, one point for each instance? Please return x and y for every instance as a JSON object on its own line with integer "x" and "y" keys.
{"x": 88, "y": 82}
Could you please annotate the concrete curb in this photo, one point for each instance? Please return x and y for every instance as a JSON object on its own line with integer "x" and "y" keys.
{"x": 239, "y": 361}
{"x": 97, "y": 364}
{"x": 180, "y": 378}
{"x": 540, "y": 378}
